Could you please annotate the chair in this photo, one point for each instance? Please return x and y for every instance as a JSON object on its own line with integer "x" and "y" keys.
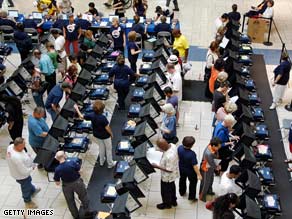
{"x": 7, "y": 34}
{"x": 286, "y": 125}
{"x": 166, "y": 36}
{"x": 34, "y": 35}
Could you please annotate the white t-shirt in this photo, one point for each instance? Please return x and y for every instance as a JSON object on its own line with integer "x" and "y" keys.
{"x": 269, "y": 12}
{"x": 176, "y": 81}
{"x": 228, "y": 185}
{"x": 59, "y": 45}
{"x": 20, "y": 163}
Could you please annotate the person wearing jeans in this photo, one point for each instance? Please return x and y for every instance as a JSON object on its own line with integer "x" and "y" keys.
{"x": 188, "y": 168}
{"x": 21, "y": 165}
{"x": 72, "y": 33}
{"x": 102, "y": 132}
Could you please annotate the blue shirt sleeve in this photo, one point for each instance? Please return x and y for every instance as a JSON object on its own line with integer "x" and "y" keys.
{"x": 37, "y": 129}
{"x": 57, "y": 176}
{"x": 171, "y": 124}
{"x": 194, "y": 160}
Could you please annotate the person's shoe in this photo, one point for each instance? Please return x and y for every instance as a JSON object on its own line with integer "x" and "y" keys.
{"x": 273, "y": 106}
{"x": 176, "y": 9}
{"x": 37, "y": 190}
{"x": 101, "y": 164}
{"x": 107, "y": 5}
{"x": 163, "y": 206}
{"x": 40, "y": 166}
{"x": 174, "y": 204}
{"x": 31, "y": 205}
{"x": 211, "y": 193}
{"x": 182, "y": 194}
{"x": 193, "y": 199}
{"x": 280, "y": 101}
{"x": 113, "y": 165}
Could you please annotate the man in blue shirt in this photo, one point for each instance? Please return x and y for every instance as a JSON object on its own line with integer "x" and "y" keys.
{"x": 221, "y": 131}
{"x": 68, "y": 172}
{"x": 188, "y": 167}
{"x": 55, "y": 96}
{"x": 72, "y": 33}
{"x": 37, "y": 129}
{"x": 47, "y": 68}
{"x": 281, "y": 79}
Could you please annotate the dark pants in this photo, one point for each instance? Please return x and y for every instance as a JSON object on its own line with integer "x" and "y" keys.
{"x": 133, "y": 63}
{"x": 206, "y": 183}
{"x": 174, "y": 3}
{"x": 192, "y": 186}
{"x": 75, "y": 187}
{"x": 51, "y": 79}
{"x": 27, "y": 188}
{"x": 225, "y": 154}
{"x": 10, "y": 3}
{"x": 16, "y": 130}
{"x": 168, "y": 193}
{"x": 122, "y": 94}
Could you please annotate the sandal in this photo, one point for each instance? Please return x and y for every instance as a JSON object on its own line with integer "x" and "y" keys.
{"x": 289, "y": 169}
{"x": 288, "y": 161}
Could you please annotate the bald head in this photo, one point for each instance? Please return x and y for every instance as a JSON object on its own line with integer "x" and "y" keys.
{"x": 162, "y": 144}
{"x": 60, "y": 156}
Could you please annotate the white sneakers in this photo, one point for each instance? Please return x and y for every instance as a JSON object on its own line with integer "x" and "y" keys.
{"x": 273, "y": 106}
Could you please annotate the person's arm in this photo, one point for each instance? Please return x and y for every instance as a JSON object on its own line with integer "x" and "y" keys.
{"x": 79, "y": 32}
{"x": 55, "y": 107}
{"x": 196, "y": 169}
{"x": 124, "y": 39}
{"x": 64, "y": 32}
{"x": 57, "y": 178}
{"x": 276, "y": 79}
{"x": 133, "y": 52}
{"x": 160, "y": 168}
{"x": 186, "y": 55}
{"x": 78, "y": 111}
{"x": 210, "y": 61}
{"x": 37, "y": 130}
{"x": 211, "y": 162}
{"x": 109, "y": 130}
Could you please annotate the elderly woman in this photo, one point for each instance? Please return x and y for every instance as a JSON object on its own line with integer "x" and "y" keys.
{"x": 222, "y": 77}
{"x": 168, "y": 126}
{"x": 181, "y": 44}
{"x": 228, "y": 108}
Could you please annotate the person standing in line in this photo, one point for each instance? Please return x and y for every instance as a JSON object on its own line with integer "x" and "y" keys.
{"x": 20, "y": 166}
{"x": 173, "y": 99}
{"x": 60, "y": 48}
{"x": 174, "y": 3}
{"x": 208, "y": 167}
{"x": 72, "y": 32}
{"x": 140, "y": 7}
{"x": 102, "y": 132}
{"x": 69, "y": 172}
{"x": 175, "y": 80}
{"x": 188, "y": 168}
{"x": 47, "y": 68}
{"x": 181, "y": 44}
{"x": 234, "y": 15}
{"x": 281, "y": 79}
{"x": 133, "y": 50}
{"x": 169, "y": 172}
{"x": 23, "y": 41}
{"x": 37, "y": 129}
{"x": 168, "y": 125}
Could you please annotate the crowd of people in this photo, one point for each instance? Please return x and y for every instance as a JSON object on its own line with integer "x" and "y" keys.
{"x": 178, "y": 161}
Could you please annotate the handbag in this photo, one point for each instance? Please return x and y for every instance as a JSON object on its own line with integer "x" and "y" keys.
{"x": 210, "y": 205}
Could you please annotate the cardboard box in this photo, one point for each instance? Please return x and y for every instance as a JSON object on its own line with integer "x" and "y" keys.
{"x": 257, "y": 28}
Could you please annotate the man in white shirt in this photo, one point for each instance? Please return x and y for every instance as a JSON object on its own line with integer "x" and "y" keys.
{"x": 60, "y": 48}
{"x": 169, "y": 173}
{"x": 269, "y": 12}
{"x": 21, "y": 165}
{"x": 175, "y": 80}
{"x": 227, "y": 183}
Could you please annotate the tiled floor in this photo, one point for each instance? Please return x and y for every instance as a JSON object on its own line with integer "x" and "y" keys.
{"x": 197, "y": 23}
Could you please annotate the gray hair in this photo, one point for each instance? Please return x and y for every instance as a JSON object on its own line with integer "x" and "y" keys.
{"x": 39, "y": 110}
{"x": 60, "y": 155}
{"x": 18, "y": 141}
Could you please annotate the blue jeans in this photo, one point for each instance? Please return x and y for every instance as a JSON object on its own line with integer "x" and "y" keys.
{"x": 27, "y": 188}
{"x": 52, "y": 113}
{"x": 38, "y": 99}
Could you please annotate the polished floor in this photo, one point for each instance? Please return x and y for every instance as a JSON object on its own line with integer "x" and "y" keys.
{"x": 197, "y": 24}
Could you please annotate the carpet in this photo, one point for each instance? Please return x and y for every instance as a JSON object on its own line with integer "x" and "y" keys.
{"x": 102, "y": 175}
{"x": 194, "y": 91}
{"x": 283, "y": 187}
